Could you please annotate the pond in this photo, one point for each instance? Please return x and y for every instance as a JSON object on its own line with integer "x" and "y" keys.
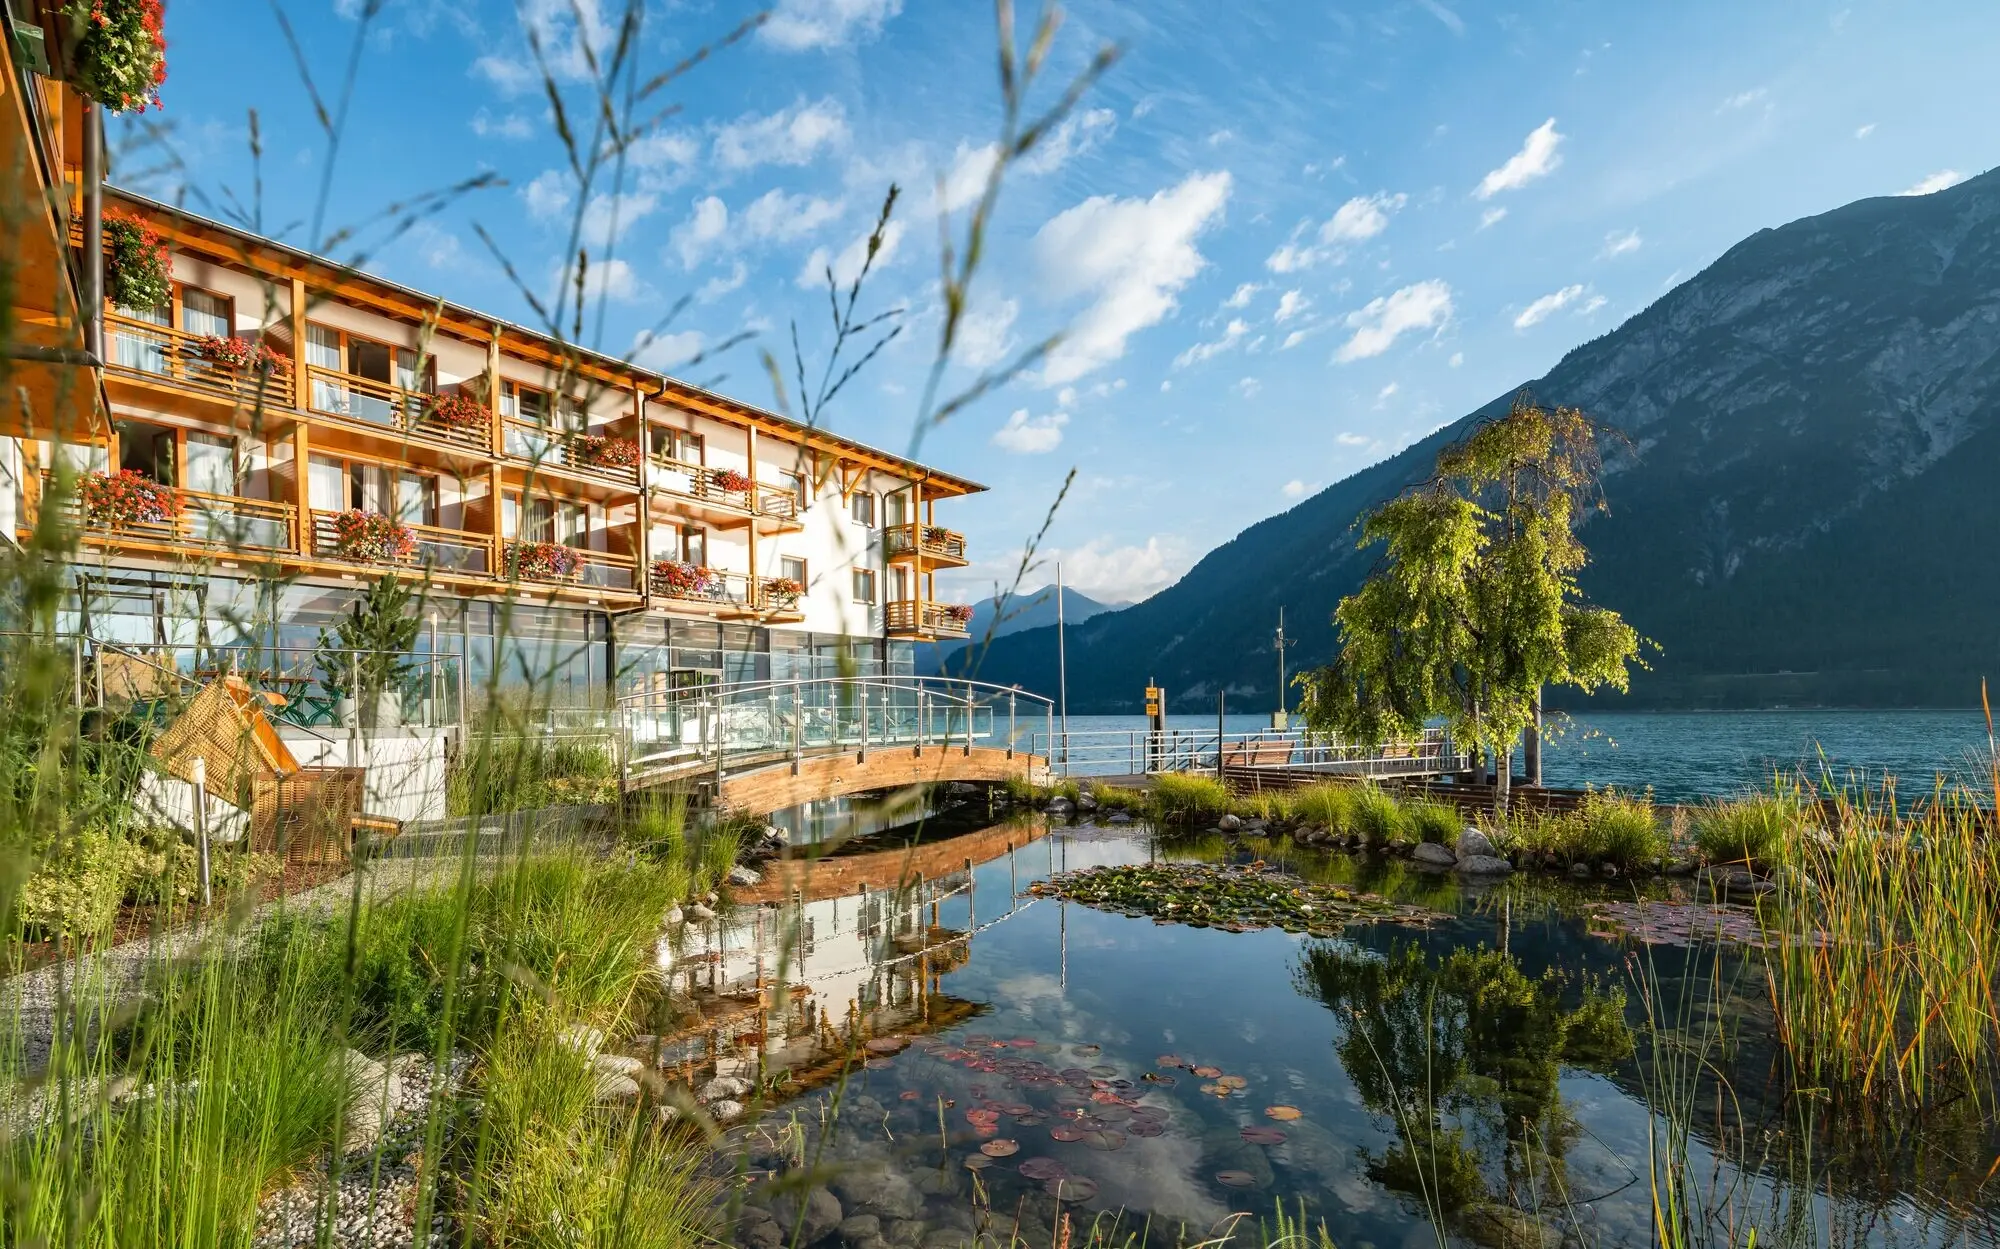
{"x": 967, "y": 1058}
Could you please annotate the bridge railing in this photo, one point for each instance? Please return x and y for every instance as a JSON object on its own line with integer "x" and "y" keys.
{"x": 714, "y": 728}
{"x": 1140, "y": 752}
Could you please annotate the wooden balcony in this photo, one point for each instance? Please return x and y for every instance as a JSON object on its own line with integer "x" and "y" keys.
{"x": 696, "y": 488}
{"x": 454, "y": 552}
{"x": 159, "y": 355}
{"x": 204, "y": 524}
{"x": 924, "y": 619}
{"x": 370, "y": 407}
{"x": 613, "y": 571}
{"x": 724, "y": 595}
{"x": 928, "y": 545}
{"x": 542, "y": 446}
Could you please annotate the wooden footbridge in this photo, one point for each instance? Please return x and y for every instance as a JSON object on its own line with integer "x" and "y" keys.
{"x": 767, "y": 745}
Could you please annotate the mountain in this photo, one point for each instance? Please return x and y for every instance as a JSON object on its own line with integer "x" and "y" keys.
{"x": 992, "y": 618}
{"x": 1806, "y": 512}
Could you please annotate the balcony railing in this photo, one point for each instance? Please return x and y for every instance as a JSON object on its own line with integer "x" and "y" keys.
{"x": 716, "y": 487}
{"x": 609, "y": 570}
{"x": 921, "y": 616}
{"x": 141, "y": 349}
{"x": 778, "y": 502}
{"x": 573, "y": 450}
{"x": 928, "y": 542}
{"x": 442, "y": 550}
{"x": 209, "y": 522}
{"x": 365, "y": 401}
{"x": 702, "y": 587}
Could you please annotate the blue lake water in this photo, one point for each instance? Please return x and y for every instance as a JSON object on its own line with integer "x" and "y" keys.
{"x": 1689, "y": 755}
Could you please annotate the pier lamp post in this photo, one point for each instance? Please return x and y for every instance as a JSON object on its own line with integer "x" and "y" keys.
{"x": 1279, "y": 717}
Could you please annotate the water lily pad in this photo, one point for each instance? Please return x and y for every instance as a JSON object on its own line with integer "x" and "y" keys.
{"x": 1033, "y": 1119}
{"x": 1086, "y": 1051}
{"x": 1043, "y": 1169}
{"x": 980, "y": 1115}
{"x": 1159, "y": 1078}
{"x": 1283, "y": 1114}
{"x": 1207, "y": 1073}
{"x": 909, "y": 1095}
{"x": 887, "y": 1044}
{"x": 1146, "y": 1127}
{"x": 978, "y": 1162}
{"x": 1071, "y": 1188}
{"x": 1106, "y": 1139}
{"x": 1000, "y": 1148}
{"x": 1024, "y": 1042}
{"x": 1066, "y": 1132}
{"x": 1232, "y": 1082}
{"x": 1262, "y": 1136}
{"x": 879, "y": 1064}
{"x": 1170, "y": 1060}
{"x": 1236, "y": 1179}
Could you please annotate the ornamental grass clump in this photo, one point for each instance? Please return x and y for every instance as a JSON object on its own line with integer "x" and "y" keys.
{"x": 1752, "y": 829}
{"x": 1377, "y": 816}
{"x": 1431, "y": 820}
{"x": 1329, "y": 804}
{"x": 1182, "y": 799}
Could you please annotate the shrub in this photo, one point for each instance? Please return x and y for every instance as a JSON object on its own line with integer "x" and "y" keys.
{"x": 1182, "y": 799}
{"x": 1377, "y": 816}
{"x": 1431, "y": 820}
{"x": 1622, "y": 830}
{"x": 1750, "y": 829}
{"x": 78, "y": 883}
{"x": 1329, "y": 803}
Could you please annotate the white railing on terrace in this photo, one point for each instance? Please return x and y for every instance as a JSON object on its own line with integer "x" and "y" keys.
{"x": 716, "y": 727}
{"x": 1141, "y": 752}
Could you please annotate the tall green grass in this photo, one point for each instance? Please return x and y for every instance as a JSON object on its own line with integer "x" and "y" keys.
{"x": 1178, "y": 798}
{"x": 1752, "y": 829}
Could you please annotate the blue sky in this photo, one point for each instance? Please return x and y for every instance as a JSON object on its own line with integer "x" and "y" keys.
{"x": 1283, "y": 242}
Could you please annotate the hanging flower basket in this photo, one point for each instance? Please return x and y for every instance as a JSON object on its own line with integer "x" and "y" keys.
{"x": 372, "y": 538}
{"x": 459, "y": 413}
{"x": 540, "y": 561}
{"x": 603, "y": 451}
{"x": 783, "y": 592}
{"x": 127, "y": 498}
{"x": 116, "y": 51}
{"x": 136, "y": 267}
{"x": 936, "y": 535}
{"x": 959, "y": 614}
{"x": 678, "y": 579}
{"x": 242, "y": 355}
{"x": 729, "y": 481}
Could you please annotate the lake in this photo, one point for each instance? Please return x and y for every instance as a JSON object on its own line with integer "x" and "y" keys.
{"x": 1689, "y": 755}
{"x": 1515, "y": 1057}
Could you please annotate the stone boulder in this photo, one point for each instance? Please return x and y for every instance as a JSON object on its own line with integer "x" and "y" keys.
{"x": 879, "y": 1190}
{"x": 721, "y": 1087}
{"x": 373, "y": 1091}
{"x": 822, "y": 1213}
{"x": 1229, "y": 823}
{"x": 1432, "y": 854}
{"x": 1471, "y": 841}
{"x": 745, "y": 877}
{"x": 1484, "y": 865}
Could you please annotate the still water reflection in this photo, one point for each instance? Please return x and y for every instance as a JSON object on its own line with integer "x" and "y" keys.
{"x": 1490, "y": 1078}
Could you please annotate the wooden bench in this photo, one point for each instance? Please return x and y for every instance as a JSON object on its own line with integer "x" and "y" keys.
{"x": 1258, "y": 753}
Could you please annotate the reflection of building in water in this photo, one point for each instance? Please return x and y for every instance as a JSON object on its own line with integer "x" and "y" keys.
{"x": 796, "y": 985}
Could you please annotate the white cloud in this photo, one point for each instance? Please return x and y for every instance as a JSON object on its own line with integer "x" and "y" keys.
{"x": 1129, "y": 257}
{"x": 1936, "y": 182}
{"x": 547, "y": 196}
{"x": 1537, "y": 159}
{"x": 569, "y": 32}
{"x": 1352, "y": 439}
{"x": 1619, "y": 242}
{"x": 1491, "y": 217}
{"x": 1240, "y": 298}
{"x": 1457, "y": 358}
{"x": 782, "y": 218}
{"x": 1592, "y": 305}
{"x": 1742, "y": 99}
{"x": 664, "y": 351}
{"x": 1540, "y": 311}
{"x": 1031, "y": 435}
{"x": 971, "y": 166}
{"x": 716, "y": 287}
{"x": 790, "y": 136}
{"x": 607, "y": 217}
{"x": 612, "y": 279}
{"x": 1864, "y": 131}
{"x": 847, "y": 265}
{"x": 1232, "y": 334}
{"x": 1293, "y": 489}
{"x": 1385, "y": 394}
{"x": 1452, "y": 21}
{"x": 986, "y": 337}
{"x": 1362, "y": 217}
{"x": 1377, "y": 326}
{"x": 1294, "y": 338}
{"x": 512, "y": 126}
{"x": 703, "y": 229}
{"x": 965, "y": 181}
{"x": 1290, "y": 258}
{"x": 1291, "y": 304}
{"x": 803, "y": 25}
{"x": 1123, "y": 574}
{"x": 1248, "y": 387}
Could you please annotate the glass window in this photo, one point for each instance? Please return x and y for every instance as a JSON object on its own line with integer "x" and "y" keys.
{"x": 864, "y": 585}
{"x": 323, "y": 347}
{"x": 147, "y": 450}
{"x": 211, "y": 464}
{"x": 203, "y": 312}
{"x": 793, "y": 567}
{"x": 896, "y": 508}
{"x": 326, "y": 485}
{"x": 899, "y": 584}
{"x": 796, "y": 483}
{"x": 416, "y": 499}
{"x": 694, "y": 547}
{"x": 864, "y": 509}
{"x": 140, "y": 350}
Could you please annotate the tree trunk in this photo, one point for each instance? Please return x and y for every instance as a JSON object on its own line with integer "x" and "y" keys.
{"x": 1531, "y": 745}
{"x": 1503, "y": 775}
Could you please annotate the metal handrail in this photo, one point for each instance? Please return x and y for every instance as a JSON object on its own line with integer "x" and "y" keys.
{"x": 1101, "y": 752}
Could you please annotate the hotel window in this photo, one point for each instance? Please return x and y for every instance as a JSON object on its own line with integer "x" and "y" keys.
{"x": 349, "y": 485}
{"x": 205, "y": 313}
{"x": 863, "y": 508}
{"x": 694, "y": 547}
{"x": 353, "y": 359}
{"x": 901, "y": 583}
{"x": 796, "y": 483}
{"x": 678, "y": 445}
{"x": 896, "y": 509}
{"x": 792, "y": 567}
{"x": 544, "y": 519}
{"x": 864, "y": 585}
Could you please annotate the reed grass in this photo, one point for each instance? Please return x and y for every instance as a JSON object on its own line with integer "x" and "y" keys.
{"x": 1753, "y": 829}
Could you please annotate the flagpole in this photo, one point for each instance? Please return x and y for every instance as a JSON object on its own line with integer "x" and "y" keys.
{"x": 1062, "y": 663}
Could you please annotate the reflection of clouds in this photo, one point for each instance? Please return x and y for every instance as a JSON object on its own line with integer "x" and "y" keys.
{"x": 1158, "y": 1176}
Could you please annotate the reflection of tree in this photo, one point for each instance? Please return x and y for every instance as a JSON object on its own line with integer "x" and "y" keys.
{"x": 1468, "y": 1036}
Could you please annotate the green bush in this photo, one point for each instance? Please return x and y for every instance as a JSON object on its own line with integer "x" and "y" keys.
{"x": 1329, "y": 803}
{"x": 1623, "y": 830}
{"x": 1182, "y": 799}
{"x": 165, "y": 869}
{"x": 1750, "y": 829}
{"x": 1377, "y": 815}
{"x": 1434, "y": 821}
{"x": 78, "y": 883}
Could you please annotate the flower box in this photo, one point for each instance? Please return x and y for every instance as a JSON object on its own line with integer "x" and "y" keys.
{"x": 959, "y": 614}
{"x": 127, "y": 498}
{"x": 372, "y": 538}
{"x": 241, "y": 355}
{"x": 678, "y": 579}
{"x": 458, "y": 413}
{"x": 936, "y": 535}
{"x": 729, "y": 481}
{"x": 603, "y": 451}
{"x": 135, "y": 264}
{"x": 115, "y": 51}
{"x": 783, "y": 592}
{"x": 541, "y": 561}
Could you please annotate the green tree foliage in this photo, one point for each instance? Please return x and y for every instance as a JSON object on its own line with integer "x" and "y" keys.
{"x": 1475, "y": 606}
{"x": 371, "y": 644}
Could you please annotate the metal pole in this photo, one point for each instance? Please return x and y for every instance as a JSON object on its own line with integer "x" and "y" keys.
{"x": 1062, "y": 661}
{"x": 864, "y": 727}
{"x": 798, "y": 729}
{"x": 437, "y": 685}
{"x": 1219, "y": 697}
{"x": 93, "y": 232}
{"x": 76, "y": 670}
{"x": 1010, "y": 724}
{"x": 97, "y": 665}
{"x": 201, "y": 824}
